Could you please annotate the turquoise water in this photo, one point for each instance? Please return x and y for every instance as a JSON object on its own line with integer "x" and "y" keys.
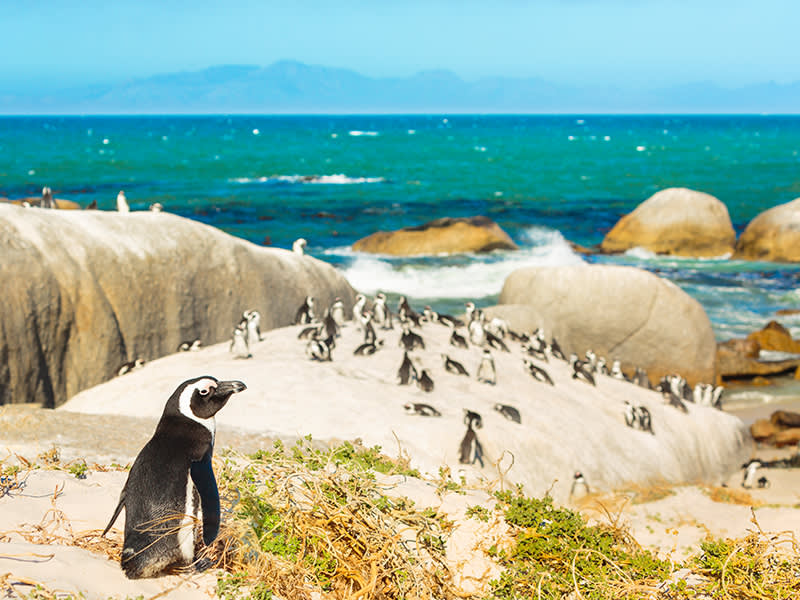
{"x": 333, "y": 180}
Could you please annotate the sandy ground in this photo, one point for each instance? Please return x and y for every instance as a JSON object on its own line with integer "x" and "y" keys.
{"x": 111, "y": 423}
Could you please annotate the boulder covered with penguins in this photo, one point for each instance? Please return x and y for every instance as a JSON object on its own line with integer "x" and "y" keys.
{"x": 620, "y": 312}
{"x": 88, "y": 291}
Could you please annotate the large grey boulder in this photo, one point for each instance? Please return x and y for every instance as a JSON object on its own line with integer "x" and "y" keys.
{"x": 676, "y": 221}
{"x": 773, "y": 235}
{"x": 621, "y": 313}
{"x": 86, "y": 291}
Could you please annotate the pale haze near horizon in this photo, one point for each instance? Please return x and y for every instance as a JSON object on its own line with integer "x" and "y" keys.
{"x": 629, "y": 43}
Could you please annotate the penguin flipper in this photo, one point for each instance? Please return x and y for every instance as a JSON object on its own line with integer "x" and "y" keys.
{"x": 203, "y": 478}
{"x": 117, "y": 510}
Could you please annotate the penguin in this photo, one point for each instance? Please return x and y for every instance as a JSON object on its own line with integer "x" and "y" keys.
{"x": 380, "y": 313}
{"x": 187, "y": 346}
{"x": 369, "y": 331}
{"x": 486, "y": 371}
{"x": 430, "y": 315}
{"x": 407, "y": 313}
{"x": 629, "y": 413}
{"x": 641, "y": 379}
{"x": 424, "y": 410}
{"x": 518, "y": 337}
{"x": 130, "y": 366}
{"x": 92, "y": 205}
{"x": 156, "y": 207}
{"x": 578, "y": 479}
{"x": 763, "y": 482}
{"x": 509, "y": 412}
{"x": 358, "y": 309}
{"x": 320, "y": 350}
{"x": 477, "y": 333}
{"x": 305, "y": 313}
{"x": 406, "y": 371}
{"x": 749, "y": 475}
{"x": 47, "y": 198}
{"x": 601, "y": 368}
{"x": 496, "y": 342}
{"x": 674, "y": 400}
{"x": 536, "y": 349}
{"x": 591, "y": 359}
{"x": 581, "y": 369}
{"x": 337, "y": 311}
{"x": 498, "y": 327}
{"x": 449, "y": 320}
{"x": 470, "y": 449}
{"x": 424, "y": 382}
{"x": 457, "y": 340}
{"x": 172, "y": 481}
{"x": 329, "y": 325}
{"x": 470, "y": 311}
{"x": 454, "y": 367}
{"x": 616, "y": 371}
{"x": 538, "y": 373}
{"x": 644, "y": 419}
{"x": 368, "y": 348}
{"x": 252, "y": 320}
{"x": 716, "y": 397}
{"x": 556, "y": 351}
{"x": 122, "y": 203}
{"x": 410, "y": 340}
{"x": 299, "y": 246}
{"x": 240, "y": 347}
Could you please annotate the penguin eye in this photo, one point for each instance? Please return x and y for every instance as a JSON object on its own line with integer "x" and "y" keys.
{"x": 204, "y": 392}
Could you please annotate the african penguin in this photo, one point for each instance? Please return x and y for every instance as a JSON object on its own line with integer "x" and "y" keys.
{"x": 299, "y": 246}
{"x": 410, "y": 340}
{"x": 581, "y": 369}
{"x": 130, "y": 366}
{"x": 337, "y": 311}
{"x": 252, "y": 319}
{"x": 472, "y": 418}
{"x": 156, "y": 207}
{"x": 486, "y": 371}
{"x": 555, "y": 350}
{"x": 424, "y": 410}
{"x": 406, "y": 372}
{"x": 538, "y": 373}
{"x": 122, "y": 203}
{"x": 92, "y": 205}
{"x": 496, "y": 342}
{"x": 358, "y": 309}
{"x": 509, "y": 412}
{"x": 172, "y": 481}
{"x": 368, "y": 348}
{"x": 240, "y": 347}
{"x": 749, "y": 475}
{"x": 407, "y": 313}
{"x": 47, "y": 198}
{"x": 305, "y": 313}
{"x": 453, "y": 366}
{"x": 457, "y": 340}
{"x": 380, "y": 311}
{"x": 190, "y": 346}
{"x": 578, "y": 479}
{"x": 470, "y": 449}
{"x": 424, "y": 381}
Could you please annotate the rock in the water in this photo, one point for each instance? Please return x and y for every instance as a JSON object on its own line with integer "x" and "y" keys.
{"x": 774, "y": 235}
{"x": 763, "y": 430}
{"x": 621, "y": 313}
{"x": 785, "y": 418}
{"x": 86, "y": 291}
{"x": 442, "y": 236}
{"x": 675, "y": 221}
{"x": 775, "y": 337}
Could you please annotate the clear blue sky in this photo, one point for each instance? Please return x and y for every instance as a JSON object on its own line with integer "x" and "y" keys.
{"x": 636, "y": 43}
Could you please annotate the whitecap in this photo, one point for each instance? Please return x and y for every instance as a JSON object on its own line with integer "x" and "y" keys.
{"x": 451, "y": 277}
{"x": 334, "y": 179}
{"x": 357, "y": 133}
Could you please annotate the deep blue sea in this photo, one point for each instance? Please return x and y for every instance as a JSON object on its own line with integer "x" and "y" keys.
{"x": 333, "y": 180}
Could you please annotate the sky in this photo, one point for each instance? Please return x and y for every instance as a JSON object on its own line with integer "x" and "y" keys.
{"x": 631, "y": 43}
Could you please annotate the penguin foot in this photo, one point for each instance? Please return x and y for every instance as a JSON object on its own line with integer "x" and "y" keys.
{"x": 202, "y": 564}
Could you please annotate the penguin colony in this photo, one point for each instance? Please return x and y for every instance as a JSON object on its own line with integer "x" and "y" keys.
{"x": 481, "y": 337}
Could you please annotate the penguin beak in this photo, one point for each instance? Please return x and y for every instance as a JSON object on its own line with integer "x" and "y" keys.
{"x": 226, "y": 388}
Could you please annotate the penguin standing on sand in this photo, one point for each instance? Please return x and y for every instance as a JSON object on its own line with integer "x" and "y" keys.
{"x": 358, "y": 310}
{"x": 299, "y": 246}
{"x": 578, "y": 480}
{"x": 252, "y": 319}
{"x": 337, "y": 311}
{"x": 406, "y": 372}
{"x": 305, "y": 313}
{"x": 470, "y": 449}
{"x": 122, "y": 203}
{"x": 380, "y": 312}
{"x": 240, "y": 347}
{"x": 172, "y": 481}
{"x": 486, "y": 371}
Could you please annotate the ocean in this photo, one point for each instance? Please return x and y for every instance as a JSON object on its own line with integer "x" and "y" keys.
{"x": 546, "y": 180}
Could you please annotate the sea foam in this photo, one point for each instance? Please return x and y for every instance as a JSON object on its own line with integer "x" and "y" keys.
{"x": 451, "y": 277}
{"x": 334, "y": 179}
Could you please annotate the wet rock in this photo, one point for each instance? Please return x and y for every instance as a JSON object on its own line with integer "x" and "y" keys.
{"x": 774, "y": 235}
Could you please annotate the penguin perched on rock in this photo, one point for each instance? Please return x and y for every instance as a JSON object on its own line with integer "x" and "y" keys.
{"x": 122, "y": 203}
{"x": 172, "y": 481}
{"x": 299, "y": 246}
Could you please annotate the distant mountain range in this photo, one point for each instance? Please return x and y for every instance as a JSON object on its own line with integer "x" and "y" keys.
{"x": 294, "y": 87}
